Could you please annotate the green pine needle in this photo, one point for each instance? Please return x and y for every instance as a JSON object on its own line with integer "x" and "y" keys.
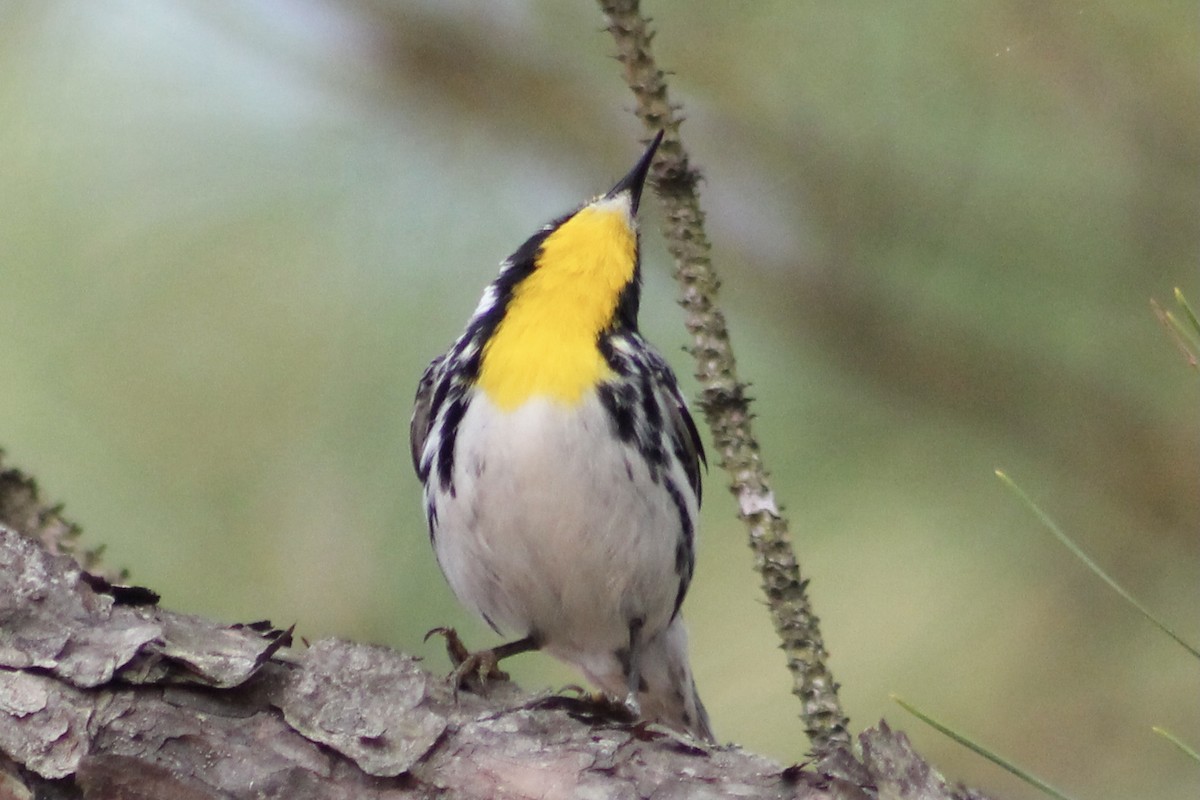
{"x": 1189, "y": 752}
{"x": 1184, "y": 332}
{"x": 1187, "y": 310}
{"x": 1093, "y": 566}
{"x": 981, "y": 750}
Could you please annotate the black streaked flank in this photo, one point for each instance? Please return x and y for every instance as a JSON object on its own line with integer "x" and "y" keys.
{"x": 431, "y": 517}
{"x": 652, "y": 419}
{"x": 424, "y": 413}
{"x": 685, "y": 438}
{"x": 685, "y": 549}
{"x": 618, "y": 401}
{"x": 491, "y": 624}
{"x": 445, "y": 455}
{"x": 650, "y": 402}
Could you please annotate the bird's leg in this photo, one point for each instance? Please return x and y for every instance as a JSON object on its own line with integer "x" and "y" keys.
{"x": 633, "y": 667}
{"x": 484, "y": 664}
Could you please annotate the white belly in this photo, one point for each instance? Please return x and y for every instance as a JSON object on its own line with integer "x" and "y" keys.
{"x": 555, "y": 528}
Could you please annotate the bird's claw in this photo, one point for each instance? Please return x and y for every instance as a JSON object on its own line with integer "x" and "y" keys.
{"x": 482, "y": 667}
{"x": 632, "y": 706}
{"x": 455, "y": 649}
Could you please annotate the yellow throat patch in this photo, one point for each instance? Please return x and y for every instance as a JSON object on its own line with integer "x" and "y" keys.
{"x": 545, "y": 346}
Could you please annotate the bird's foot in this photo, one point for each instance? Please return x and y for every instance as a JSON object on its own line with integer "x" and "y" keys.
{"x": 632, "y": 706}
{"x": 590, "y": 706}
{"x": 606, "y": 706}
{"x": 471, "y": 670}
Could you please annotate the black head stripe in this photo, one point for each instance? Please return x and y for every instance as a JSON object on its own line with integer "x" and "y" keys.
{"x": 629, "y": 301}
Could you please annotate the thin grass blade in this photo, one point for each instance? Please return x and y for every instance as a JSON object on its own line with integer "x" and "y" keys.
{"x": 970, "y": 744}
{"x": 1187, "y": 310}
{"x": 1183, "y": 338}
{"x": 1187, "y": 751}
{"x": 1093, "y": 566}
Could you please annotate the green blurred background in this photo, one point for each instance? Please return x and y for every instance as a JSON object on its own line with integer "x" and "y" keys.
{"x": 233, "y": 233}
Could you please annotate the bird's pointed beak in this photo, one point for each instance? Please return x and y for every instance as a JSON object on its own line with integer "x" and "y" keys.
{"x": 636, "y": 178}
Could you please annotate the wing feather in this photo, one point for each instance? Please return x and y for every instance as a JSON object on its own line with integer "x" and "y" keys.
{"x": 424, "y": 412}
{"x": 685, "y": 437}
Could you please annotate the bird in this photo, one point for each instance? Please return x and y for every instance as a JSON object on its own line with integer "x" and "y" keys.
{"x": 561, "y": 468}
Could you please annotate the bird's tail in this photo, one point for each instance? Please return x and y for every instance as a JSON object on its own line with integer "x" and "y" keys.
{"x": 667, "y": 692}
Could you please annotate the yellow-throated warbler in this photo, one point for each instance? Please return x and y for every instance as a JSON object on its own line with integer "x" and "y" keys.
{"x": 562, "y": 468}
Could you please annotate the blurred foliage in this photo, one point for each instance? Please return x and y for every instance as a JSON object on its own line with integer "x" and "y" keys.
{"x": 232, "y": 234}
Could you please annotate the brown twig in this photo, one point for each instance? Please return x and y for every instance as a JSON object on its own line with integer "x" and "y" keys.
{"x": 723, "y": 397}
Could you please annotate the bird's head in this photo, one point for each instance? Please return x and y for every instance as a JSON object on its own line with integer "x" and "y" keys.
{"x": 591, "y": 254}
{"x": 567, "y": 285}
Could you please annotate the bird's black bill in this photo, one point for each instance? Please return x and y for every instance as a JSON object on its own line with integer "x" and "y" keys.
{"x": 636, "y": 178}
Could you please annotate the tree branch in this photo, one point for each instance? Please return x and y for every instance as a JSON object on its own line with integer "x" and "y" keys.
{"x": 723, "y": 397}
{"x": 105, "y": 695}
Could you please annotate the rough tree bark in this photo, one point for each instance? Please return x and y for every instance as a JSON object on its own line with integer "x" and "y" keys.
{"x": 103, "y": 694}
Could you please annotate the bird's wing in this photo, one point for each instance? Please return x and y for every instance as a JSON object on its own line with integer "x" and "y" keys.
{"x": 685, "y": 438}
{"x": 423, "y": 413}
